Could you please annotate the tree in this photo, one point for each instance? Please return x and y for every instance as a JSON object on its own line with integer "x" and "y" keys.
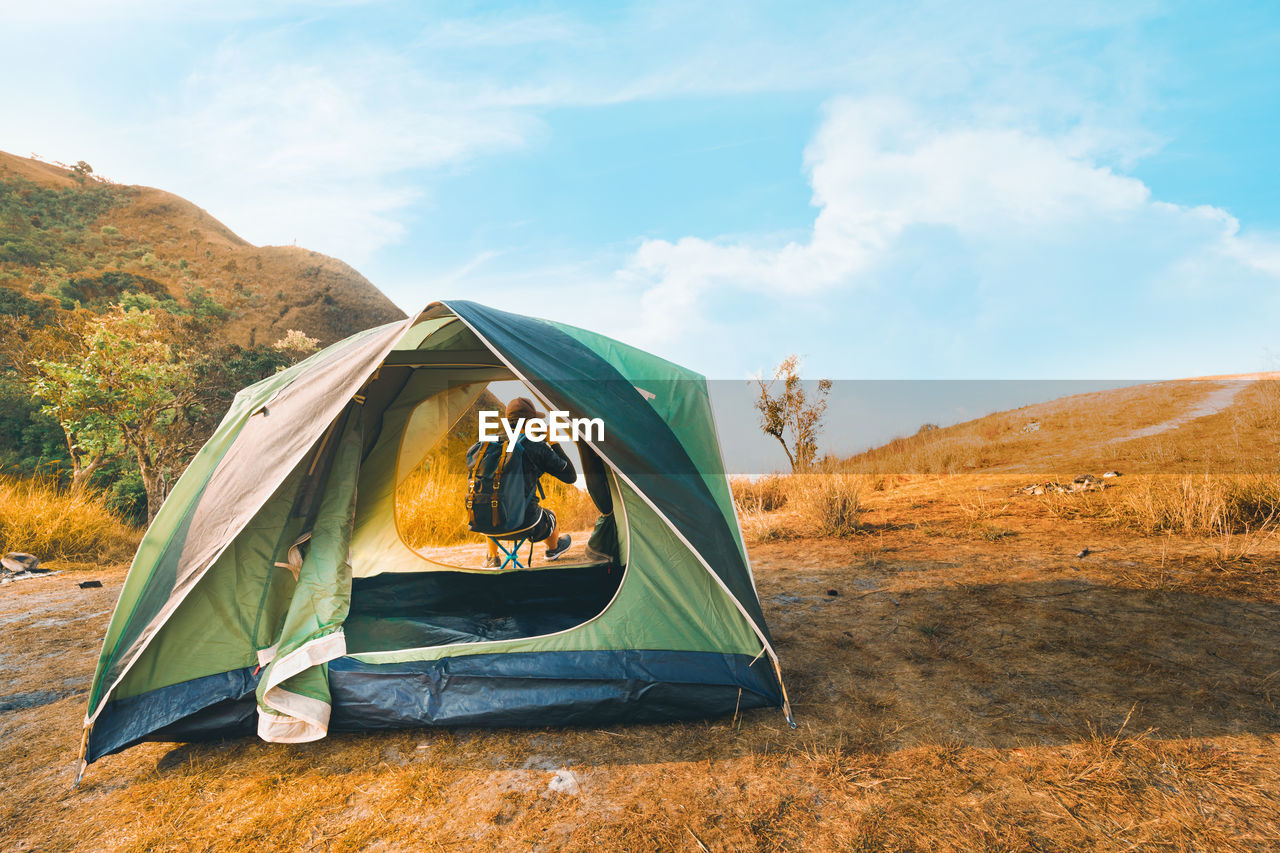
{"x": 790, "y": 416}
{"x": 136, "y": 386}
{"x": 125, "y": 389}
{"x": 296, "y": 345}
{"x": 30, "y": 342}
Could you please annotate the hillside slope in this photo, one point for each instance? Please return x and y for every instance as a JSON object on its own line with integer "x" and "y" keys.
{"x": 162, "y": 242}
{"x": 1223, "y": 424}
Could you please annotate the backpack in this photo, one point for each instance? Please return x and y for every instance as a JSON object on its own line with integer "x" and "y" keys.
{"x": 498, "y": 492}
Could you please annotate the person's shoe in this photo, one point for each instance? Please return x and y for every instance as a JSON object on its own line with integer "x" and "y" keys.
{"x": 491, "y": 562}
{"x": 562, "y": 545}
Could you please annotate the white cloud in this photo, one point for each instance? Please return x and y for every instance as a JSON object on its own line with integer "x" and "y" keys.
{"x": 986, "y": 198}
{"x": 320, "y": 153}
{"x": 1002, "y": 229}
{"x": 328, "y": 143}
{"x": 308, "y": 110}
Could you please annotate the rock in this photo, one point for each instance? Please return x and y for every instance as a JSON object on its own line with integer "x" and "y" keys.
{"x": 90, "y": 584}
{"x": 1046, "y": 488}
{"x": 16, "y": 561}
{"x": 1086, "y": 552}
{"x": 833, "y": 592}
{"x": 1085, "y": 483}
{"x": 564, "y": 782}
{"x": 1110, "y": 474}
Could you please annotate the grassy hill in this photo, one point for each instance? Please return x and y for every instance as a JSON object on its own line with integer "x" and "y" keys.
{"x": 66, "y": 236}
{"x": 73, "y": 246}
{"x": 1222, "y": 424}
{"x": 1197, "y": 457}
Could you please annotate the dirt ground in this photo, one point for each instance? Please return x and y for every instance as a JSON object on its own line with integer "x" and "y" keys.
{"x": 953, "y": 690}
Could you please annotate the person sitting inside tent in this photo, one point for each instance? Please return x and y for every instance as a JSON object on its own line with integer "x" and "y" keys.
{"x": 537, "y": 523}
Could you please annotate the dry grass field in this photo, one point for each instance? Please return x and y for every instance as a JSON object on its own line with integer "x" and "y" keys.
{"x": 66, "y": 527}
{"x": 431, "y": 516}
{"x": 971, "y": 667}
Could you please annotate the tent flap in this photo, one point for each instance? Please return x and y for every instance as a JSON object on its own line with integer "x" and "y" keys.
{"x": 293, "y": 695}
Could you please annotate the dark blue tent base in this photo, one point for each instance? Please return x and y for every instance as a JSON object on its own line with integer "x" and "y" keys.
{"x": 512, "y": 689}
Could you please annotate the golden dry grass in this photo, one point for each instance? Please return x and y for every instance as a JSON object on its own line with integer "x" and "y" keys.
{"x": 764, "y": 494}
{"x": 954, "y": 693}
{"x": 1095, "y": 432}
{"x": 60, "y": 526}
{"x": 1191, "y": 504}
{"x": 431, "y": 513}
{"x": 818, "y": 504}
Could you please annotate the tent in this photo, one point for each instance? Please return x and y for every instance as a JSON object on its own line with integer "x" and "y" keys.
{"x": 273, "y": 592}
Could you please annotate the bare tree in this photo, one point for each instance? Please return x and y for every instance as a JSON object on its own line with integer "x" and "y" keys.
{"x": 790, "y": 416}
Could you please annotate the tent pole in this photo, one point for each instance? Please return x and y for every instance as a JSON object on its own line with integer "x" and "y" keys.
{"x": 786, "y": 703}
{"x": 81, "y": 764}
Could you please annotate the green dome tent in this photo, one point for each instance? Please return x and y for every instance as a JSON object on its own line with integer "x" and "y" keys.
{"x": 273, "y": 592}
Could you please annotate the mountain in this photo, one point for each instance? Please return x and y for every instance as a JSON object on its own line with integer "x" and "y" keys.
{"x": 67, "y": 235}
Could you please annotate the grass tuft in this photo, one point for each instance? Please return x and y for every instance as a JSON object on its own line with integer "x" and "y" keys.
{"x": 829, "y": 504}
{"x": 766, "y": 494}
{"x": 59, "y": 525}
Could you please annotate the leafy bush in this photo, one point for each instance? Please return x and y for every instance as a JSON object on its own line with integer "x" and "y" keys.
{"x": 205, "y": 306}
{"x": 100, "y": 291}
{"x": 37, "y": 223}
{"x": 126, "y": 495}
{"x": 30, "y": 442}
{"x": 15, "y": 304}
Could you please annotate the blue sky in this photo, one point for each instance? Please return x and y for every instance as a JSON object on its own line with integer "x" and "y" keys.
{"x": 915, "y": 190}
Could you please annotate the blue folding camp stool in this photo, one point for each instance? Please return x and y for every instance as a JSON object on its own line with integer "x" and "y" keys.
{"x": 511, "y": 553}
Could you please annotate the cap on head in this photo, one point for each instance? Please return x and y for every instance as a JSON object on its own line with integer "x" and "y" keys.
{"x": 522, "y": 408}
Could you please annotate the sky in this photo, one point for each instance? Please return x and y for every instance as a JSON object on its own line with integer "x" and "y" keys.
{"x": 893, "y": 191}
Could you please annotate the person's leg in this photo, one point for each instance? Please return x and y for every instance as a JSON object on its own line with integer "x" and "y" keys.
{"x": 556, "y": 542}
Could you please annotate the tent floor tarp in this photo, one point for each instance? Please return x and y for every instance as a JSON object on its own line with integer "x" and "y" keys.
{"x": 529, "y": 689}
{"x": 422, "y": 609}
